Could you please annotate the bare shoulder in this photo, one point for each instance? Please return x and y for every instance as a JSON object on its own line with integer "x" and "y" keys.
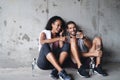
{"x": 43, "y": 35}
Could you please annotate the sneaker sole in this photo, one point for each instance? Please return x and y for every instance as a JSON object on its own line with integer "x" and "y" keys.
{"x": 61, "y": 78}
{"x": 53, "y": 77}
{"x": 82, "y": 76}
{"x": 98, "y": 73}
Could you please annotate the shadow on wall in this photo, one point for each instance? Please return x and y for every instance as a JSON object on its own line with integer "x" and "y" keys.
{"x": 107, "y": 54}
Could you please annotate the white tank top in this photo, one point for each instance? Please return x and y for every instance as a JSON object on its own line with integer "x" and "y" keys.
{"x": 48, "y": 36}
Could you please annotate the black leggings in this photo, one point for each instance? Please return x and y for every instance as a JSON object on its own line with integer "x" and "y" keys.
{"x": 42, "y": 61}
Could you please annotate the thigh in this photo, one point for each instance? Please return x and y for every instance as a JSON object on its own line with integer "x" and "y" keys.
{"x": 42, "y": 61}
{"x": 66, "y": 48}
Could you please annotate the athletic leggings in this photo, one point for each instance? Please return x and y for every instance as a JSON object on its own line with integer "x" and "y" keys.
{"x": 42, "y": 61}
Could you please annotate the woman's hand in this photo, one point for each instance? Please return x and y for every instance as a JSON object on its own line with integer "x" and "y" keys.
{"x": 62, "y": 38}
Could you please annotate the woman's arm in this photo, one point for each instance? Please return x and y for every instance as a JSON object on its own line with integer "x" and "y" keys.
{"x": 44, "y": 40}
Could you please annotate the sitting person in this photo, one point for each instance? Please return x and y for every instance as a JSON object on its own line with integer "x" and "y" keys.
{"x": 53, "y": 48}
{"x": 82, "y": 47}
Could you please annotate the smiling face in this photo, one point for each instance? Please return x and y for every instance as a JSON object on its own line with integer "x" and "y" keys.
{"x": 56, "y": 26}
{"x": 71, "y": 28}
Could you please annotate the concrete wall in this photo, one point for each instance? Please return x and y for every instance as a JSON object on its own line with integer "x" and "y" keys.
{"x": 22, "y": 20}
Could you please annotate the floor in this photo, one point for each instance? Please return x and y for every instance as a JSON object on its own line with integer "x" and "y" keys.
{"x": 26, "y": 73}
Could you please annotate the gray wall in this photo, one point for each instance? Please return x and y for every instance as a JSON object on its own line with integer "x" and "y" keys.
{"x": 22, "y": 20}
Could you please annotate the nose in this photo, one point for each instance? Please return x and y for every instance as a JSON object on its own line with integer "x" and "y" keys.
{"x": 72, "y": 29}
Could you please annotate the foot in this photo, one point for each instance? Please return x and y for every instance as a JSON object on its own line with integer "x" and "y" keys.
{"x": 54, "y": 74}
{"x": 82, "y": 71}
{"x": 100, "y": 71}
{"x": 64, "y": 76}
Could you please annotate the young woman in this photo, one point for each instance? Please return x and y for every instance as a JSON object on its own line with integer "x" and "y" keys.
{"x": 53, "y": 48}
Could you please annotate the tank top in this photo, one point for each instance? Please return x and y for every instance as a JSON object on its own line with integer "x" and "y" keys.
{"x": 48, "y": 36}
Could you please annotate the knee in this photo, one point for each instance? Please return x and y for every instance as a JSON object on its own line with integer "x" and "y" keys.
{"x": 98, "y": 38}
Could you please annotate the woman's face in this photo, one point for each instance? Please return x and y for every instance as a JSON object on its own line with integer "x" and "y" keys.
{"x": 56, "y": 26}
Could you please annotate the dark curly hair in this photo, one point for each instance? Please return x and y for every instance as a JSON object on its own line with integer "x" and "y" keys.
{"x": 52, "y": 20}
{"x": 70, "y": 22}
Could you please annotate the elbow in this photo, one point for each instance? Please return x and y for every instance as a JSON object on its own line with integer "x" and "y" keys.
{"x": 42, "y": 42}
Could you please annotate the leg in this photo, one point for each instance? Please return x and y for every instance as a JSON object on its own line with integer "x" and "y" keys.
{"x": 62, "y": 58}
{"x": 76, "y": 56}
{"x": 46, "y": 57}
{"x": 64, "y": 53}
{"x": 59, "y": 73}
{"x": 74, "y": 51}
{"x": 97, "y": 45}
{"x": 50, "y": 57}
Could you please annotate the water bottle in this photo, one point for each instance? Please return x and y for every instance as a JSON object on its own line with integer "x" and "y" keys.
{"x": 92, "y": 66}
{"x": 34, "y": 67}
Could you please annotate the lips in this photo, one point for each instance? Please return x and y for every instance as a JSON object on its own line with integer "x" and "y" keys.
{"x": 73, "y": 33}
{"x": 57, "y": 30}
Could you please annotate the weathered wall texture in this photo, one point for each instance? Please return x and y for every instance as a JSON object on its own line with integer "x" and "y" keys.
{"x": 22, "y": 20}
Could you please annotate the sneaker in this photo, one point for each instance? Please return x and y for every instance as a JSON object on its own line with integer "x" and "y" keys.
{"x": 82, "y": 72}
{"x": 54, "y": 74}
{"x": 64, "y": 76}
{"x": 100, "y": 71}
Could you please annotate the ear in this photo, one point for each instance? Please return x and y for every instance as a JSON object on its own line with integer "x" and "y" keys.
{"x": 52, "y": 25}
